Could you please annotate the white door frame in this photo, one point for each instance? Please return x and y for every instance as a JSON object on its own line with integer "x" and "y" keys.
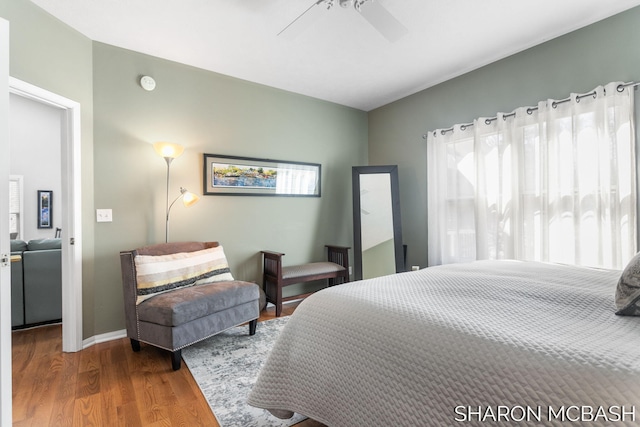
{"x": 5, "y": 269}
{"x": 71, "y": 206}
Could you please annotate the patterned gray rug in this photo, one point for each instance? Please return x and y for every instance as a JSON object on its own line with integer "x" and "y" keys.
{"x": 225, "y": 367}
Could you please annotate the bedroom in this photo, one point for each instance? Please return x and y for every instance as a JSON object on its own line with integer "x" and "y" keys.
{"x": 121, "y": 172}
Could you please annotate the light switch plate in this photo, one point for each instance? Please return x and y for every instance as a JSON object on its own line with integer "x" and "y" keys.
{"x": 104, "y": 215}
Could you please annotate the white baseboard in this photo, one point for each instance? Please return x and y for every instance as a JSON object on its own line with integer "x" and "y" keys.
{"x": 109, "y": 336}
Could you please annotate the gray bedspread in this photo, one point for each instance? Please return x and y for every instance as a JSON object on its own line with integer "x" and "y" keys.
{"x": 500, "y": 342}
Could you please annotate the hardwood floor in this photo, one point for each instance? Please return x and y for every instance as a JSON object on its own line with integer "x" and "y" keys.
{"x": 105, "y": 385}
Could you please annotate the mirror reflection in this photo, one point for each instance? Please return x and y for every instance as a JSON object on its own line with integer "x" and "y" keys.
{"x": 377, "y": 232}
{"x": 376, "y": 223}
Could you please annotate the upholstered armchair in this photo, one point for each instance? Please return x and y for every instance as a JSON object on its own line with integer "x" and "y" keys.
{"x": 176, "y": 294}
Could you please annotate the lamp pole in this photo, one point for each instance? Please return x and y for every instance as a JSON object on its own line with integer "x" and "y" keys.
{"x": 166, "y": 226}
{"x": 169, "y": 151}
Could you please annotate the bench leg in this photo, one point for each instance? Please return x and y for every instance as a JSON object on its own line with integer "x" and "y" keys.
{"x": 271, "y": 288}
{"x": 135, "y": 345}
{"x": 176, "y": 359}
{"x": 339, "y": 280}
{"x": 252, "y": 326}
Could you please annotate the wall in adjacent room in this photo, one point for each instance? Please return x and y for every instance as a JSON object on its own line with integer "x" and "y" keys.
{"x": 577, "y": 62}
{"x": 211, "y": 113}
{"x": 47, "y": 53}
{"x": 36, "y": 156}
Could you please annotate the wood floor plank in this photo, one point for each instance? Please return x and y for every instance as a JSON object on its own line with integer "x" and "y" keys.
{"x": 62, "y": 413}
{"x": 88, "y": 383}
{"x": 129, "y": 415}
{"x": 20, "y": 405}
{"x": 107, "y": 384}
{"x": 87, "y": 411}
{"x": 68, "y": 377}
{"x": 89, "y": 359}
{"x": 41, "y": 394}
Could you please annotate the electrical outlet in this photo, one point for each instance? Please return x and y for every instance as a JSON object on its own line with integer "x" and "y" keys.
{"x": 104, "y": 215}
{"x": 350, "y": 270}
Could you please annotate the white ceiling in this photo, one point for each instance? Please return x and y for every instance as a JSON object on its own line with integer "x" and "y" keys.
{"x": 340, "y": 57}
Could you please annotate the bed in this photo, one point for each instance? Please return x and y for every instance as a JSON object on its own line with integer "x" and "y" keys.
{"x": 490, "y": 341}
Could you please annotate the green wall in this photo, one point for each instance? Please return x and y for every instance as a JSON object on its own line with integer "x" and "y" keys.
{"x": 211, "y": 113}
{"x": 207, "y": 113}
{"x": 577, "y": 62}
{"x": 49, "y": 54}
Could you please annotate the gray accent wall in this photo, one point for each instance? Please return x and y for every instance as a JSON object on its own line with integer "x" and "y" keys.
{"x": 577, "y": 62}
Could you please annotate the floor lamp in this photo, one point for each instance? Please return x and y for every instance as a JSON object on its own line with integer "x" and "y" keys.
{"x": 170, "y": 151}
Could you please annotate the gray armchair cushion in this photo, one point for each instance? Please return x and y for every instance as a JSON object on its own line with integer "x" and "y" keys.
{"x": 183, "y": 305}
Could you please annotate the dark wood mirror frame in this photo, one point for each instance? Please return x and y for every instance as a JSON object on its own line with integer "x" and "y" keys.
{"x": 392, "y": 171}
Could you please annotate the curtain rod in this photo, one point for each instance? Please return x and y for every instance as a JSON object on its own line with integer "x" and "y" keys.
{"x": 530, "y": 110}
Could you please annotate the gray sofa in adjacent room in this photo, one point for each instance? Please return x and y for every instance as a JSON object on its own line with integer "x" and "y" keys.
{"x": 36, "y": 282}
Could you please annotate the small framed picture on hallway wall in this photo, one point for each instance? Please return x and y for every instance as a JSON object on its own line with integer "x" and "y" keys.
{"x": 45, "y": 201}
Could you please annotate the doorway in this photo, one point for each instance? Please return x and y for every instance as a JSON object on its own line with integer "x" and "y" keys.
{"x": 70, "y": 206}
{"x": 5, "y": 272}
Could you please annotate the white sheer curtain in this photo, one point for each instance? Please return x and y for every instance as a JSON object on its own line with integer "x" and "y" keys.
{"x": 556, "y": 183}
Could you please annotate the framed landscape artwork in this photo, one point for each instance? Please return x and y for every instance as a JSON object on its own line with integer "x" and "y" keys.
{"x": 248, "y": 176}
{"x": 45, "y": 200}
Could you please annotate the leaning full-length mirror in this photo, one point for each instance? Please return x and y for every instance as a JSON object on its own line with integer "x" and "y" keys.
{"x": 377, "y": 231}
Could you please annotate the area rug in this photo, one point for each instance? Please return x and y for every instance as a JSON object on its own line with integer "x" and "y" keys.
{"x": 226, "y": 366}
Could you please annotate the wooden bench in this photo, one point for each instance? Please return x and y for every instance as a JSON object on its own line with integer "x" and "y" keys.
{"x": 335, "y": 270}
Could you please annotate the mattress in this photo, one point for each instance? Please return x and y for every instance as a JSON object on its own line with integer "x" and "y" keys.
{"x": 504, "y": 342}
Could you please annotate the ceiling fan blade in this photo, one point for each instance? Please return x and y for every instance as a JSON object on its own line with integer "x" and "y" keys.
{"x": 303, "y": 21}
{"x": 381, "y": 20}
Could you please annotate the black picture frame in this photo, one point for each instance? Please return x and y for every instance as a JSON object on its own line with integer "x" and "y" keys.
{"x": 45, "y": 209}
{"x": 251, "y": 176}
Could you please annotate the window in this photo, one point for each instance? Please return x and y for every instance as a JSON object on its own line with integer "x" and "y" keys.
{"x": 16, "y": 207}
{"x": 554, "y": 183}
